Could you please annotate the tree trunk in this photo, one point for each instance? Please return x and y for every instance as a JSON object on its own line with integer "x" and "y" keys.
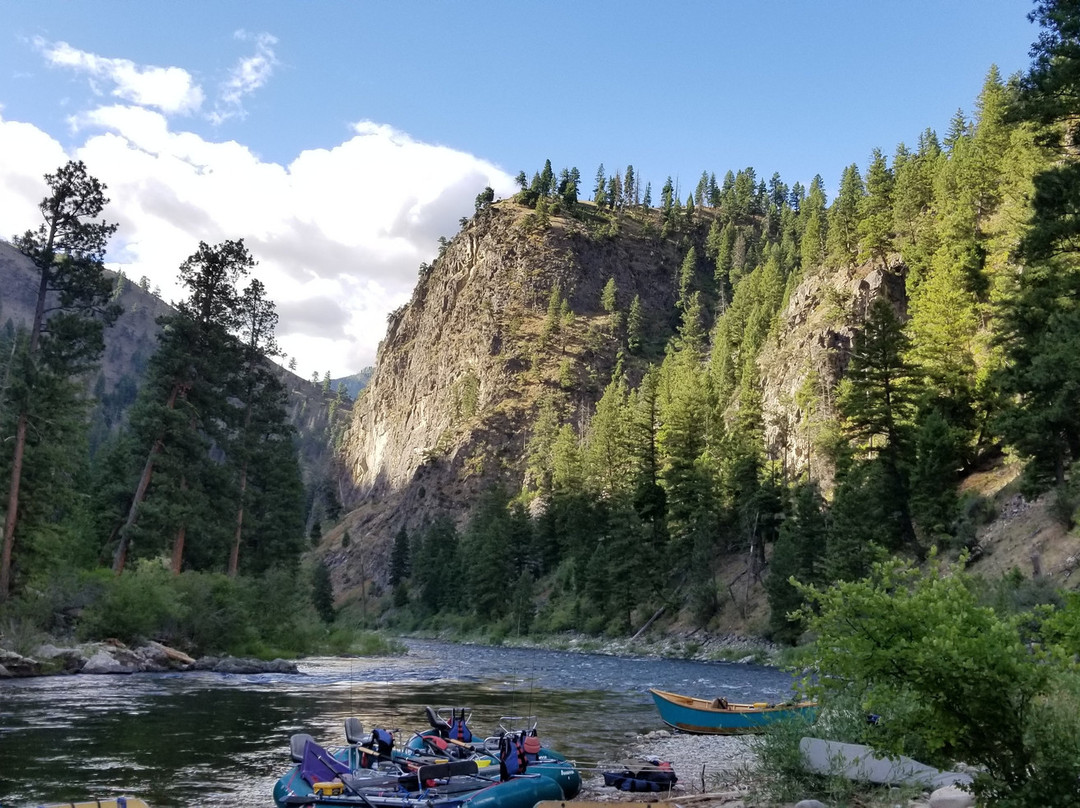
{"x": 234, "y": 556}
{"x": 19, "y": 450}
{"x": 178, "y": 542}
{"x": 13, "y": 505}
{"x": 120, "y": 555}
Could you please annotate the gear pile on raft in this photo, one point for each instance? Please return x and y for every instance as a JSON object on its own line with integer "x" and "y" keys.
{"x": 443, "y": 766}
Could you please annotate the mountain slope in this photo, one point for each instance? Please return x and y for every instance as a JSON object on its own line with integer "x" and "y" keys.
{"x": 129, "y": 344}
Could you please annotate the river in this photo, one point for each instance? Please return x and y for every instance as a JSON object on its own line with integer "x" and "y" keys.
{"x": 203, "y": 739}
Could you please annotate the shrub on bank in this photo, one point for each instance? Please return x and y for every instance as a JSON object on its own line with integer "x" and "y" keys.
{"x": 949, "y": 680}
{"x": 265, "y": 616}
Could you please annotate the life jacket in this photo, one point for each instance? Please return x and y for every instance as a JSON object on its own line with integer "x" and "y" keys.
{"x": 382, "y": 744}
{"x": 531, "y": 745}
{"x": 459, "y": 730}
{"x": 512, "y": 756}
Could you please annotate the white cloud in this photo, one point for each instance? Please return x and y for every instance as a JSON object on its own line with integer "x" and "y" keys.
{"x": 170, "y": 89}
{"x": 246, "y": 77}
{"x": 339, "y": 233}
{"x": 26, "y": 155}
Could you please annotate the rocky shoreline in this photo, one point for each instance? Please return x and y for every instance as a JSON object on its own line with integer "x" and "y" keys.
{"x": 719, "y": 771}
{"x": 112, "y": 656}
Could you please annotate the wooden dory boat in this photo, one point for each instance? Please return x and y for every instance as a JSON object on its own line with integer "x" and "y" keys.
{"x": 718, "y": 717}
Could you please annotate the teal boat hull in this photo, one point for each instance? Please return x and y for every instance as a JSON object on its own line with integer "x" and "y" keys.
{"x": 705, "y": 717}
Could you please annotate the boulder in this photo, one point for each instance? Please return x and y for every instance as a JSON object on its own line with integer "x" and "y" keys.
{"x": 113, "y": 657}
{"x": 17, "y": 665}
{"x": 61, "y": 660}
{"x": 951, "y": 796}
{"x": 236, "y": 665}
{"x": 158, "y": 657}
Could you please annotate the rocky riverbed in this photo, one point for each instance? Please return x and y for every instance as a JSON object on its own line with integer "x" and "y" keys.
{"x": 112, "y": 656}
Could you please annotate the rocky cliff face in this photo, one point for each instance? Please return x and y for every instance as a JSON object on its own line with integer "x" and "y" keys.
{"x": 461, "y": 370}
{"x": 802, "y": 366}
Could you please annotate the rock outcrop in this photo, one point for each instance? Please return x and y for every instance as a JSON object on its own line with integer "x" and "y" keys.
{"x": 112, "y": 656}
{"x": 460, "y": 371}
{"x": 463, "y": 364}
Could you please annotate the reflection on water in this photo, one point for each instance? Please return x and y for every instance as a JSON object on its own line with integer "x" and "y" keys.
{"x": 204, "y": 739}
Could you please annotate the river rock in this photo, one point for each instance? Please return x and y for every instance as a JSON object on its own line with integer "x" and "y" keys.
{"x": 157, "y": 657}
{"x": 13, "y": 664}
{"x": 61, "y": 660}
{"x": 104, "y": 661}
{"x": 951, "y": 797}
{"x": 236, "y": 665}
{"x": 810, "y": 804}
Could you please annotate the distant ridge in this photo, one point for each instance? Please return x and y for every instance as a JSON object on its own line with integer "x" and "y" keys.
{"x": 355, "y": 383}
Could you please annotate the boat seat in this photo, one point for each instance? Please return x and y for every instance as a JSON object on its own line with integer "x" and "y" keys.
{"x": 440, "y": 771}
{"x": 297, "y": 743}
{"x": 354, "y": 731}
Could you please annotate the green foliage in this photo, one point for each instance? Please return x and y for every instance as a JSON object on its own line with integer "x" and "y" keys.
{"x": 609, "y": 297}
{"x": 135, "y": 607}
{"x": 466, "y": 395}
{"x": 43, "y": 412}
{"x": 322, "y": 593}
{"x": 400, "y": 562}
{"x": 950, "y": 679}
{"x": 876, "y": 210}
{"x": 202, "y": 613}
{"x": 797, "y": 554}
{"x": 843, "y": 222}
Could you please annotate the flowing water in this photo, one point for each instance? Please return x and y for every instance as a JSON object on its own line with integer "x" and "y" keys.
{"x": 204, "y": 739}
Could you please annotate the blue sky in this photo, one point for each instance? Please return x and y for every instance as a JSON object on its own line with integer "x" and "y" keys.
{"x": 342, "y": 138}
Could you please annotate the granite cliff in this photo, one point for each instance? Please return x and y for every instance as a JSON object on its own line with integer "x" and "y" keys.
{"x": 463, "y": 366}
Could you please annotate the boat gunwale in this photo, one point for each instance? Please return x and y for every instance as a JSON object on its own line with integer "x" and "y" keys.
{"x": 733, "y": 708}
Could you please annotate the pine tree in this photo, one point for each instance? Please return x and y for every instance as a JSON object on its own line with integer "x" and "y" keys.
{"x": 600, "y": 189}
{"x": 609, "y": 296}
{"x": 65, "y": 337}
{"x": 184, "y": 398}
{"x": 635, "y": 325}
{"x": 814, "y": 237}
{"x": 797, "y": 554}
{"x": 876, "y": 401}
{"x": 876, "y": 211}
{"x": 400, "y": 557}
{"x": 843, "y": 222}
{"x": 687, "y": 277}
{"x": 913, "y": 214}
{"x": 261, "y": 446}
{"x": 667, "y": 198}
{"x": 1041, "y": 319}
{"x": 605, "y": 453}
{"x": 322, "y": 593}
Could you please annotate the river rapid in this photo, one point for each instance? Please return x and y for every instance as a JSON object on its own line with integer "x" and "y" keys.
{"x": 205, "y": 739}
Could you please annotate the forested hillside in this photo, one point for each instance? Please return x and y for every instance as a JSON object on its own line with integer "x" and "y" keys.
{"x": 591, "y": 386}
{"x": 150, "y": 439}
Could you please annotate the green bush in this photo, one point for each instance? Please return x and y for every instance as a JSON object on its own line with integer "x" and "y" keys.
{"x": 216, "y": 617}
{"x": 135, "y": 606}
{"x": 953, "y": 679}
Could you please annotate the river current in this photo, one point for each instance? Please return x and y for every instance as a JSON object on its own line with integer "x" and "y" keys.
{"x": 204, "y": 739}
